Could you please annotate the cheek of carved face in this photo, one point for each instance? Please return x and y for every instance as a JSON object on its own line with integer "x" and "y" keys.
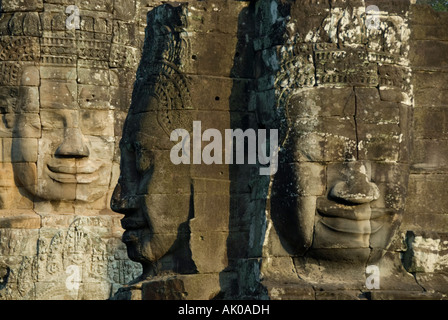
{"x": 165, "y": 215}
{"x": 153, "y": 227}
{"x": 293, "y": 204}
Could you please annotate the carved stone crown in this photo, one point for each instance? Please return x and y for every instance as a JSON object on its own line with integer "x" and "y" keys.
{"x": 44, "y": 38}
{"x": 344, "y": 51}
{"x": 159, "y": 75}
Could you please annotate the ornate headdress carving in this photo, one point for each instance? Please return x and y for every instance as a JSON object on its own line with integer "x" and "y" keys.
{"x": 159, "y": 75}
{"x": 344, "y": 50}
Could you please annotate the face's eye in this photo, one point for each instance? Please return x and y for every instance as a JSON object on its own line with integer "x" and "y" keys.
{"x": 143, "y": 157}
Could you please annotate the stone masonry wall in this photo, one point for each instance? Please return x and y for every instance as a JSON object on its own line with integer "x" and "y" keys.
{"x": 64, "y": 93}
{"x": 75, "y": 86}
{"x": 424, "y": 229}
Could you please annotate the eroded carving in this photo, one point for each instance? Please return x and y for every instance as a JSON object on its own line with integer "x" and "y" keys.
{"x": 339, "y": 195}
{"x": 156, "y": 219}
{"x": 64, "y": 93}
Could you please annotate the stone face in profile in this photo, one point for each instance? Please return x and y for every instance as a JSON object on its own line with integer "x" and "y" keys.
{"x": 333, "y": 77}
{"x": 156, "y": 209}
{"x": 176, "y": 207}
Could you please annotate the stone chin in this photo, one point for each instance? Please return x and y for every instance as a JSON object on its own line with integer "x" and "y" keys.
{"x": 146, "y": 247}
{"x": 351, "y": 240}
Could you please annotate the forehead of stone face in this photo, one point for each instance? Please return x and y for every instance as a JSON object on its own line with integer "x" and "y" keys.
{"x": 327, "y": 124}
{"x": 58, "y": 94}
{"x": 62, "y": 87}
{"x": 322, "y": 102}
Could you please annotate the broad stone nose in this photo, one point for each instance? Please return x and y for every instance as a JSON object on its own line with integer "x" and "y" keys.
{"x": 357, "y": 187}
{"x": 73, "y": 145}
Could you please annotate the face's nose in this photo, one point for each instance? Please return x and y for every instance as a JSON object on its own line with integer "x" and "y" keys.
{"x": 74, "y": 145}
{"x": 357, "y": 187}
{"x": 117, "y": 202}
{"x": 121, "y": 202}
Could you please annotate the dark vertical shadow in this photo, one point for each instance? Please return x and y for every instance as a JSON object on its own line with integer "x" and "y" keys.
{"x": 240, "y": 280}
{"x": 253, "y": 105}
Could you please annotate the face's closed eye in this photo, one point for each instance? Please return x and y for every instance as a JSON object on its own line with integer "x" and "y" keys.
{"x": 143, "y": 157}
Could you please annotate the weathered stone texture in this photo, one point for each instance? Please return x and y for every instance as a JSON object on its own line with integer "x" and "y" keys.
{"x": 361, "y": 112}
{"x": 424, "y": 229}
{"x": 63, "y": 92}
{"x": 363, "y": 129}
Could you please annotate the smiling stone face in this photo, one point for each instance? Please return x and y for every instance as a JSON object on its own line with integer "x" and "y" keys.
{"x": 74, "y": 86}
{"x": 74, "y": 150}
{"x": 64, "y": 94}
{"x": 344, "y": 90}
{"x": 341, "y": 199}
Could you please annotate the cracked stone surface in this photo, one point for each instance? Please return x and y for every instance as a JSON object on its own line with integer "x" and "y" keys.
{"x": 91, "y": 207}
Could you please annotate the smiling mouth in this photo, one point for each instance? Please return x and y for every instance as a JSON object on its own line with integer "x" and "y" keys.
{"x": 363, "y": 227}
{"x": 70, "y": 174}
{"x": 357, "y": 219}
{"x": 133, "y": 230}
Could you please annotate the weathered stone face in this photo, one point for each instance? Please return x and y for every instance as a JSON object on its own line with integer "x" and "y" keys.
{"x": 65, "y": 88}
{"x": 74, "y": 151}
{"x": 341, "y": 187}
{"x": 152, "y": 192}
{"x": 154, "y": 208}
{"x": 66, "y": 119}
{"x": 339, "y": 196}
{"x": 72, "y": 81}
{"x": 336, "y": 84}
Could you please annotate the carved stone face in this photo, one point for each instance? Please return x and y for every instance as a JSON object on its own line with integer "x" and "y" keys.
{"x": 73, "y": 145}
{"x": 152, "y": 193}
{"x": 340, "y": 190}
{"x": 332, "y": 199}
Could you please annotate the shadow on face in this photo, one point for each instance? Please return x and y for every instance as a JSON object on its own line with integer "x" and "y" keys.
{"x": 154, "y": 194}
